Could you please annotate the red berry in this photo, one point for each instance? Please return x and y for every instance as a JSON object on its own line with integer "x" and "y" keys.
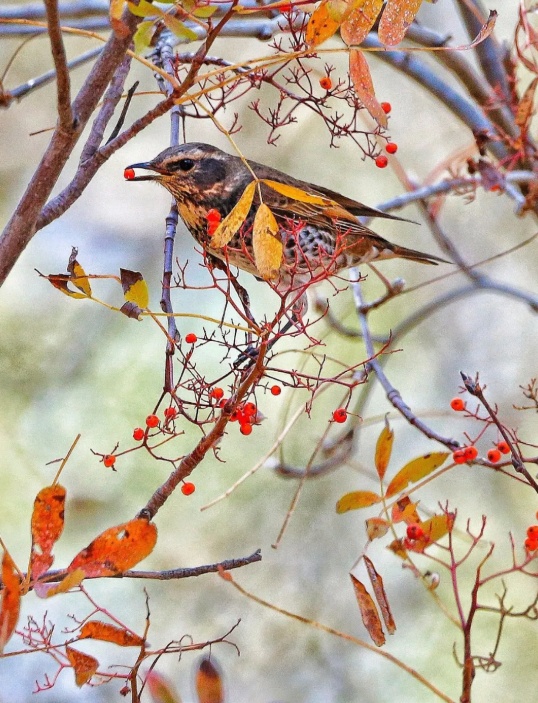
{"x": 326, "y": 83}
{"x": 494, "y": 455}
{"x": 340, "y": 415}
{"x": 170, "y": 413}
{"x": 216, "y": 393}
{"x": 138, "y": 434}
{"x": 213, "y": 215}
{"x": 381, "y": 161}
{"x": 386, "y": 107}
{"x": 249, "y": 410}
{"x": 532, "y": 532}
{"x": 531, "y": 545}
{"x": 391, "y": 148}
{"x": 459, "y": 456}
{"x": 152, "y": 421}
{"x": 188, "y": 488}
{"x": 457, "y": 404}
{"x": 191, "y": 338}
{"x": 129, "y": 174}
{"x": 245, "y": 428}
{"x": 276, "y": 390}
{"x": 415, "y": 531}
{"x": 470, "y": 453}
{"x": 223, "y": 402}
{"x": 109, "y": 460}
{"x": 503, "y": 448}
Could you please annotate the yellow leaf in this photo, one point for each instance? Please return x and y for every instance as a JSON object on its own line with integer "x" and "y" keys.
{"x": 383, "y": 450}
{"x": 369, "y": 614}
{"x": 144, "y": 9}
{"x": 360, "y": 21}
{"x": 266, "y": 244}
{"x": 72, "y": 580}
{"x": 437, "y": 526}
{"x": 114, "y": 13}
{"x": 179, "y": 28}
{"x": 144, "y": 35}
{"x": 297, "y": 193}
{"x": 396, "y": 18}
{"x": 116, "y": 8}
{"x": 135, "y": 288}
{"x": 364, "y": 87}
{"x": 79, "y": 278}
{"x": 357, "y": 500}
{"x": 415, "y": 470}
{"x": 234, "y": 219}
{"x": 321, "y": 26}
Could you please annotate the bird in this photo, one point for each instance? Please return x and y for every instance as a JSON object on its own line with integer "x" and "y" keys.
{"x": 318, "y": 229}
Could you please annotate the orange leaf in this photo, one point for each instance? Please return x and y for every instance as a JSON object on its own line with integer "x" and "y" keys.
{"x": 267, "y": 246}
{"x": 364, "y": 87}
{"x": 381, "y": 597}
{"x": 84, "y": 665}
{"x": 357, "y": 500}
{"x": 117, "y": 549}
{"x": 297, "y": 193}
{"x": 397, "y": 547}
{"x": 376, "y": 527}
{"x": 383, "y": 449}
{"x": 234, "y": 219}
{"x": 396, "y": 18}
{"x": 96, "y": 630}
{"x": 209, "y": 686}
{"x": 360, "y": 21}
{"x": 47, "y": 526}
{"x": 415, "y": 470}
{"x": 11, "y": 600}
{"x": 404, "y": 510}
{"x": 160, "y": 688}
{"x": 321, "y": 25}
{"x": 135, "y": 288}
{"x": 434, "y": 528}
{"x": 369, "y": 614}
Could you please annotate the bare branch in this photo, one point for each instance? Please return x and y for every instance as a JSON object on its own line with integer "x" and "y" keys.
{"x": 63, "y": 82}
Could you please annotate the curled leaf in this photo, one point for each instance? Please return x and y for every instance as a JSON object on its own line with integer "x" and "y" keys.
{"x": 83, "y": 665}
{"x": 96, "y": 630}
{"x": 369, "y": 614}
{"x": 381, "y": 597}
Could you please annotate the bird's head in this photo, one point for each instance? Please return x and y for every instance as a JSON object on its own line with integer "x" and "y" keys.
{"x": 189, "y": 171}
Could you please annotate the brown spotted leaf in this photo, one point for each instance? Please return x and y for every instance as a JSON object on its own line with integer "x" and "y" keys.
{"x": 364, "y": 87}
{"x": 83, "y": 665}
{"x": 396, "y": 19}
{"x": 405, "y": 511}
{"x": 11, "y": 600}
{"x": 208, "y": 683}
{"x": 117, "y": 549}
{"x": 369, "y": 614}
{"x": 376, "y": 527}
{"x": 234, "y": 219}
{"x": 47, "y": 526}
{"x": 96, "y": 630}
{"x": 360, "y": 21}
{"x": 383, "y": 450}
{"x": 321, "y": 25}
{"x": 266, "y": 244}
{"x": 379, "y": 591}
{"x": 356, "y": 500}
{"x": 416, "y": 470}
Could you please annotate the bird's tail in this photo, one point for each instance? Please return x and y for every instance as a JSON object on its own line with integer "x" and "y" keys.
{"x": 420, "y": 256}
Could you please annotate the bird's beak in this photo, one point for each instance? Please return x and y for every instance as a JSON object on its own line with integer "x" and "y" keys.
{"x": 130, "y": 174}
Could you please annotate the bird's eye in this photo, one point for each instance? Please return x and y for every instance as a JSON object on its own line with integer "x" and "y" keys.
{"x": 186, "y": 164}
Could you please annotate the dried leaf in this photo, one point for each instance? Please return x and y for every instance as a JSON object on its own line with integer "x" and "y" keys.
{"x": 321, "y": 26}
{"x": 234, "y": 219}
{"x": 78, "y": 276}
{"x": 11, "y": 600}
{"x": 356, "y": 500}
{"x": 60, "y": 281}
{"x": 415, "y": 470}
{"x": 160, "y": 688}
{"x": 525, "y": 107}
{"x": 297, "y": 193}
{"x": 96, "y": 630}
{"x": 405, "y": 511}
{"x": 383, "y": 450}
{"x": 484, "y": 32}
{"x": 364, "y": 87}
{"x": 360, "y": 21}
{"x": 396, "y": 19}
{"x": 135, "y": 288}
{"x": 267, "y": 246}
{"x": 369, "y": 614}
{"x": 209, "y": 686}
{"x": 47, "y": 526}
{"x": 83, "y": 665}
{"x": 376, "y": 527}
{"x": 381, "y": 597}
{"x": 398, "y": 548}
{"x": 131, "y": 310}
{"x": 117, "y": 549}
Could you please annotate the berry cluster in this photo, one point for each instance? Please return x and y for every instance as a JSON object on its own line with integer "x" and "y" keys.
{"x": 531, "y": 543}
{"x": 465, "y": 454}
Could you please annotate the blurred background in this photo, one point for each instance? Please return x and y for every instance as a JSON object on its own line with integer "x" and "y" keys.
{"x": 69, "y": 366}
